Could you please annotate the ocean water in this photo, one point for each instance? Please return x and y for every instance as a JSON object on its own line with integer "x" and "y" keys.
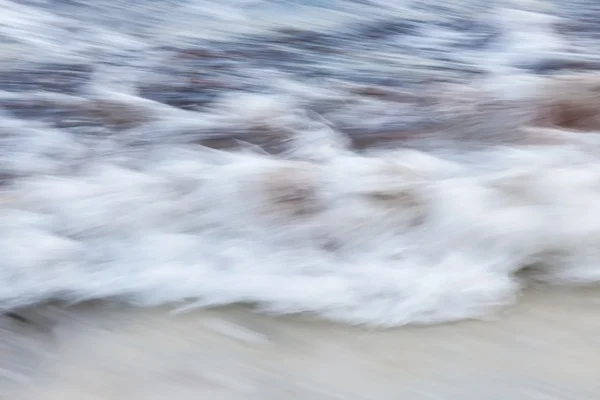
{"x": 369, "y": 162}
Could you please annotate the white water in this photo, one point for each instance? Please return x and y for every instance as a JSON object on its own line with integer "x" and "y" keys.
{"x": 431, "y": 233}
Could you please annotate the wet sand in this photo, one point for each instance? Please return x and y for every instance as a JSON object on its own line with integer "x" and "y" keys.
{"x": 544, "y": 348}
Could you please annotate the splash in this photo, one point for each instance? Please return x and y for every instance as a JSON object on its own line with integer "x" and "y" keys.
{"x": 326, "y": 167}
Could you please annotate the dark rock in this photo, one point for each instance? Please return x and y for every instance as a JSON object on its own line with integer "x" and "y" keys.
{"x": 385, "y": 29}
{"x": 550, "y": 65}
{"x": 56, "y": 113}
{"x": 61, "y": 78}
{"x": 187, "y": 97}
{"x": 363, "y": 139}
{"x": 119, "y": 115}
{"x": 270, "y": 140}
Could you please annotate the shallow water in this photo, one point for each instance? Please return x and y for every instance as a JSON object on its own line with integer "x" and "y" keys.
{"x": 364, "y": 161}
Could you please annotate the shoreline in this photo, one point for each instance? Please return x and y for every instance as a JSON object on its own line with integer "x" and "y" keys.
{"x": 542, "y": 348}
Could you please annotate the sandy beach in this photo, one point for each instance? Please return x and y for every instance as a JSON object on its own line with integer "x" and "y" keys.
{"x": 544, "y": 348}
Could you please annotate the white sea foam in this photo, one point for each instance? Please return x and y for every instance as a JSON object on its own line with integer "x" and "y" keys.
{"x": 421, "y": 235}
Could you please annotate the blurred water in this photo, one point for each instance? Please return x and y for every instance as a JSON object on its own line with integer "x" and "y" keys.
{"x": 361, "y": 160}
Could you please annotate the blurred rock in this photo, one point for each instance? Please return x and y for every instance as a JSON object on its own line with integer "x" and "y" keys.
{"x": 571, "y": 102}
{"x": 61, "y": 78}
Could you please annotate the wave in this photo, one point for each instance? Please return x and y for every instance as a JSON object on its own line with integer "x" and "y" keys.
{"x": 361, "y": 202}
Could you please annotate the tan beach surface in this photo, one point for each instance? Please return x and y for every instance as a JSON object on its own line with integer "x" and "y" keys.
{"x": 544, "y": 348}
